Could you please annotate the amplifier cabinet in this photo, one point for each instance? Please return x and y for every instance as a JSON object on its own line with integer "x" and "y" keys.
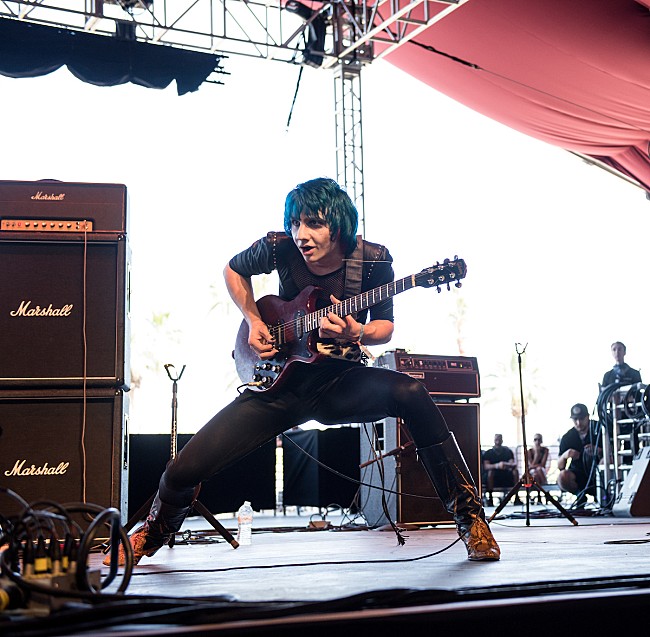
{"x": 416, "y": 501}
{"x": 63, "y": 447}
{"x": 64, "y": 311}
{"x": 446, "y": 377}
{"x": 104, "y": 205}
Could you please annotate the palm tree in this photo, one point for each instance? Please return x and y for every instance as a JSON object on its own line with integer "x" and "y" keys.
{"x": 458, "y": 319}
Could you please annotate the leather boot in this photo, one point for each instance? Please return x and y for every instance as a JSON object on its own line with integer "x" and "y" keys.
{"x": 161, "y": 523}
{"x": 445, "y": 465}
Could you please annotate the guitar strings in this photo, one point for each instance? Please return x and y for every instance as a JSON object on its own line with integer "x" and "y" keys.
{"x": 300, "y": 324}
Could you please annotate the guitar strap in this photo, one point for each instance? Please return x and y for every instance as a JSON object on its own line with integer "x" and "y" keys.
{"x": 354, "y": 271}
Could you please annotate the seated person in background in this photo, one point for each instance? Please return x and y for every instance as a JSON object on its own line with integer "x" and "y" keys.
{"x": 537, "y": 459}
{"x": 621, "y": 373}
{"x": 500, "y": 468}
{"x": 579, "y": 457}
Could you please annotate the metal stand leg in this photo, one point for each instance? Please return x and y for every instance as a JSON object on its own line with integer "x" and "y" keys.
{"x": 198, "y": 506}
{"x": 527, "y": 481}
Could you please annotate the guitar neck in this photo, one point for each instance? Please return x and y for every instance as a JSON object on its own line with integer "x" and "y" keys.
{"x": 292, "y": 338}
{"x": 359, "y": 302}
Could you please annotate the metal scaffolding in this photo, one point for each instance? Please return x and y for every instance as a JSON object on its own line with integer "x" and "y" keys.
{"x": 349, "y": 138}
{"x": 338, "y": 35}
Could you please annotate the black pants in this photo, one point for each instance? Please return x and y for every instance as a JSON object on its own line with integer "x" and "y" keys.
{"x": 329, "y": 392}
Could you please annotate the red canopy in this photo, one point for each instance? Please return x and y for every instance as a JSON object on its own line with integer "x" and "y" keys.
{"x": 573, "y": 73}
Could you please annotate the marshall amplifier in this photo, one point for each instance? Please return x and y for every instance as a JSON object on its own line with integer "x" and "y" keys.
{"x": 60, "y": 207}
{"x": 64, "y": 446}
{"x": 64, "y": 311}
{"x": 446, "y": 377}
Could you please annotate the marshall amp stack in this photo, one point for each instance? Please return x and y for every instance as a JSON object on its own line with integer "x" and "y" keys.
{"x": 451, "y": 382}
{"x": 64, "y": 333}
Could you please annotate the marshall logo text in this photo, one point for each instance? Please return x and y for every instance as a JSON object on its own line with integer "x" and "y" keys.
{"x": 19, "y": 469}
{"x": 25, "y": 310}
{"x": 42, "y": 196}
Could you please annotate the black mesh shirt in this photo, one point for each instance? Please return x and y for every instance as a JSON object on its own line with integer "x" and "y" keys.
{"x": 277, "y": 251}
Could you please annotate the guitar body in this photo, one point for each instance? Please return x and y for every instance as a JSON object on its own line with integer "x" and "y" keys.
{"x": 297, "y": 346}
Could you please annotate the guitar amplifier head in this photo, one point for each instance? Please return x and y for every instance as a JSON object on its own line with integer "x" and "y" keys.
{"x": 447, "y": 377}
{"x": 56, "y": 206}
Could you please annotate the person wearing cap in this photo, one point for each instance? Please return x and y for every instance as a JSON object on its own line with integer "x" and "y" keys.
{"x": 579, "y": 457}
{"x": 621, "y": 373}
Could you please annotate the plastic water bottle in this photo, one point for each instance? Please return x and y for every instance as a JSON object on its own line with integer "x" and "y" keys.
{"x": 244, "y": 523}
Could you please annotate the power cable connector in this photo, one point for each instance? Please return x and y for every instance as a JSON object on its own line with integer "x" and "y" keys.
{"x": 11, "y": 597}
{"x": 39, "y": 599}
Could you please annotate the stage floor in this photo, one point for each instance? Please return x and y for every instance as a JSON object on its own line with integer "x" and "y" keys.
{"x": 295, "y": 580}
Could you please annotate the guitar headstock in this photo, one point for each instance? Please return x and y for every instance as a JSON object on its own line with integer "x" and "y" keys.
{"x": 444, "y": 273}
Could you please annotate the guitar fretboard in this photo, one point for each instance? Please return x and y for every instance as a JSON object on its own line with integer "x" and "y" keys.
{"x": 296, "y": 328}
{"x": 359, "y": 302}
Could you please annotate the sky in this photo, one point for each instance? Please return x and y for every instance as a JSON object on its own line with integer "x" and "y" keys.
{"x": 554, "y": 247}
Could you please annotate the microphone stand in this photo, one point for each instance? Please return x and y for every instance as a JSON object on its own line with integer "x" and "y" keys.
{"x": 527, "y": 482}
{"x": 197, "y": 505}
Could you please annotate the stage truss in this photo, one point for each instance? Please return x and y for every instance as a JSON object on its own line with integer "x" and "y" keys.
{"x": 341, "y": 36}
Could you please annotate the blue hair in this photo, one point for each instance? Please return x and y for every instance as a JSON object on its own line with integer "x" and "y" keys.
{"x": 324, "y": 199}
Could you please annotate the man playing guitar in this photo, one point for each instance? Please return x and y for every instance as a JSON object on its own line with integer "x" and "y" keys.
{"x": 301, "y": 360}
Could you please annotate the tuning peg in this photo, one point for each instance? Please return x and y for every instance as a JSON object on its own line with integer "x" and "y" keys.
{"x": 448, "y": 286}
{"x": 446, "y": 261}
{"x": 458, "y": 284}
{"x": 438, "y": 289}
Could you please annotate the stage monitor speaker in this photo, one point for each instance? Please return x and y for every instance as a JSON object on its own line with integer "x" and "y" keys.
{"x": 63, "y": 447}
{"x": 306, "y": 483}
{"x": 415, "y": 500}
{"x": 252, "y": 478}
{"x": 64, "y": 311}
{"x": 634, "y": 498}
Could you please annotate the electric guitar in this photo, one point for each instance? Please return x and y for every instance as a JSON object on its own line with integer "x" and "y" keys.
{"x": 294, "y": 324}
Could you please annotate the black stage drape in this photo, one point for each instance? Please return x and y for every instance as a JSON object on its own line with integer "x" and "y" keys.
{"x": 32, "y": 50}
{"x": 306, "y": 483}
